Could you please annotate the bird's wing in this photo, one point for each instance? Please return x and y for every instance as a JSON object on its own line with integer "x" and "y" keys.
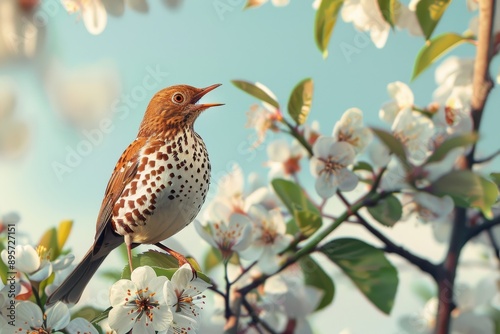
{"x": 125, "y": 170}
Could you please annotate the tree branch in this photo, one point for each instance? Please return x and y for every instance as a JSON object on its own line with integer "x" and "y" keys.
{"x": 255, "y": 317}
{"x": 481, "y": 87}
{"x": 390, "y": 247}
{"x": 482, "y": 82}
{"x": 487, "y": 225}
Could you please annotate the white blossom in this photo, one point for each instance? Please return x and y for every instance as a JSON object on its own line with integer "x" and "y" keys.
{"x": 284, "y": 158}
{"x": 402, "y": 98}
{"x": 414, "y": 130}
{"x": 31, "y": 319}
{"x": 36, "y": 262}
{"x": 329, "y": 166}
{"x": 350, "y": 129}
{"x": 453, "y": 73}
{"x": 185, "y": 298}
{"x": 366, "y": 16}
{"x": 269, "y": 238}
{"x": 226, "y": 231}
{"x": 139, "y": 303}
{"x": 92, "y": 12}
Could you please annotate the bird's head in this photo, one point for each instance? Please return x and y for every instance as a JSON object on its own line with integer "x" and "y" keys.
{"x": 174, "y": 108}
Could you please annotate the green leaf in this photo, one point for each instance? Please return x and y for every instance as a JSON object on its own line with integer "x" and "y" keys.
{"x": 153, "y": 259}
{"x": 490, "y": 197}
{"x": 162, "y": 263}
{"x": 392, "y": 143}
{"x": 291, "y": 227}
{"x": 63, "y": 231}
{"x": 368, "y": 268}
{"x": 257, "y": 90}
{"x": 387, "y": 211}
{"x": 435, "y": 49}
{"x": 467, "y": 189}
{"x": 49, "y": 241}
{"x": 111, "y": 275}
{"x": 326, "y": 17}
{"x": 450, "y": 144}
{"x": 101, "y": 316}
{"x": 292, "y": 195}
{"x": 389, "y": 9}
{"x": 362, "y": 165}
{"x": 87, "y": 312}
{"x": 308, "y": 222}
{"x": 315, "y": 276}
{"x": 495, "y": 177}
{"x": 3, "y": 267}
{"x": 306, "y": 216}
{"x": 299, "y": 104}
{"x": 429, "y": 13}
{"x": 212, "y": 259}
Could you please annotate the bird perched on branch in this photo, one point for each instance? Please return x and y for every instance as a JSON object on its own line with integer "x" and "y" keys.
{"x": 157, "y": 187}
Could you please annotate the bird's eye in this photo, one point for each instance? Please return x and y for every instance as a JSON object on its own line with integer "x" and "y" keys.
{"x": 178, "y": 98}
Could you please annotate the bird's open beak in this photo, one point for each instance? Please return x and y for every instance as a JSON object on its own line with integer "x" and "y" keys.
{"x": 202, "y": 93}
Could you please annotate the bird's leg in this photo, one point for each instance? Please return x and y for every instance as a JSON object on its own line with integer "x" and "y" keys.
{"x": 128, "y": 242}
{"x": 178, "y": 256}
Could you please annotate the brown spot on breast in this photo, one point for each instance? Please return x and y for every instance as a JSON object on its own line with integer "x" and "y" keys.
{"x": 133, "y": 187}
{"x": 131, "y": 204}
{"x": 128, "y": 217}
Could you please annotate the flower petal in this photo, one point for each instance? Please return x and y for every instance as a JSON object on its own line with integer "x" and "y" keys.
{"x": 202, "y": 232}
{"x": 142, "y": 275}
{"x": 28, "y": 315}
{"x": 182, "y": 277}
{"x": 58, "y": 316}
{"x": 82, "y": 326}
{"x": 278, "y": 151}
{"x": 343, "y": 153}
{"x": 120, "y": 320}
{"x": 322, "y": 146}
{"x": 326, "y": 185}
{"x": 347, "y": 180}
{"x": 94, "y": 17}
{"x": 121, "y": 291}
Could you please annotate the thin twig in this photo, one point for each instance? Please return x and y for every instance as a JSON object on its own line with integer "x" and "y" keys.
{"x": 231, "y": 326}
{"x": 255, "y": 317}
{"x": 488, "y": 158}
{"x": 494, "y": 243}
{"x": 487, "y": 225}
{"x": 391, "y": 247}
{"x": 217, "y": 291}
{"x": 227, "y": 311}
{"x": 244, "y": 271}
{"x": 298, "y": 136}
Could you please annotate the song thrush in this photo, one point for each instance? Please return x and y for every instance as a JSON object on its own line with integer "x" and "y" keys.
{"x": 157, "y": 187}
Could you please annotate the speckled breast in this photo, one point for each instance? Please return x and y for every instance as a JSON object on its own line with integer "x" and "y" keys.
{"x": 168, "y": 190}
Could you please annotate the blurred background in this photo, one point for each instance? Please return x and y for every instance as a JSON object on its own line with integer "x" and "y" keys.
{"x": 71, "y": 101}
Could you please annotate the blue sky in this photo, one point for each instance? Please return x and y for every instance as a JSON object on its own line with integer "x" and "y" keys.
{"x": 197, "y": 46}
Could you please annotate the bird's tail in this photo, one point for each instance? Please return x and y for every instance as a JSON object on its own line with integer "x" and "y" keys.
{"x": 73, "y": 286}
